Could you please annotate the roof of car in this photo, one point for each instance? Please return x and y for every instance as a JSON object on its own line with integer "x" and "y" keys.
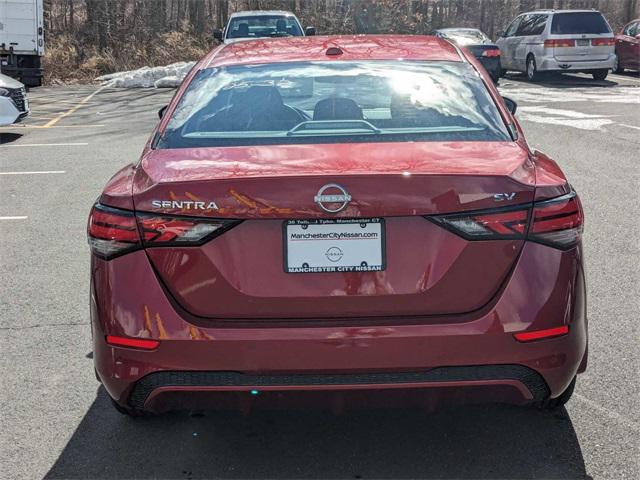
{"x": 353, "y": 47}
{"x": 550, "y": 11}
{"x": 458, "y": 29}
{"x": 259, "y": 13}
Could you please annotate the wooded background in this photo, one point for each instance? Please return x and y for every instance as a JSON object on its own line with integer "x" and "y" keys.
{"x": 87, "y": 38}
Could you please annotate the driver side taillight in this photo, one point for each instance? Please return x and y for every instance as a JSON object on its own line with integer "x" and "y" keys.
{"x": 113, "y": 232}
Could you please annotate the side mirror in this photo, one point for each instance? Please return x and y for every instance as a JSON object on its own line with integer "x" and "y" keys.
{"x": 310, "y": 31}
{"x": 512, "y": 106}
{"x": 161, "y": 112}
{"x": 217, "y": 34}
{"x": 500, "y": 34}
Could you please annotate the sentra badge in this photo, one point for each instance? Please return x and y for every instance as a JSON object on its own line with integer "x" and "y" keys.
{"x": 184, "y": 205}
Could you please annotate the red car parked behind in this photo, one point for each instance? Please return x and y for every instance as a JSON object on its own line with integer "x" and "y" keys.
{"x": 628, "y": 48}
{"x": 350, "y": 218}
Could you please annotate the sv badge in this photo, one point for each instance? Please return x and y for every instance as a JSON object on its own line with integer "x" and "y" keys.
{"x": 501, "y": 197}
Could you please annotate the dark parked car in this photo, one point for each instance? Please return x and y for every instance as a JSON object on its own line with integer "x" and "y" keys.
{"x": 487, "y": 52}
{"x": 628, "y": 47}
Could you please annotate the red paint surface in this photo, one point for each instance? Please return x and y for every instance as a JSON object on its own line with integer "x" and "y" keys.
{"x": 628, "y": 49}
{"x": 442, "y": 301}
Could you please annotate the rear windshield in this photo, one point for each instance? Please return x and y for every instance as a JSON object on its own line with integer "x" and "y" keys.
{"x": 320, "y": 102}
{"x": 264, "y": 26}
{"x": 579, "y": 22}
{"x": 465, "y": 37}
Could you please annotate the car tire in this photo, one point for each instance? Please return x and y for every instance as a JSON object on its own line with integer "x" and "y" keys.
{"x": 560, "y": 400}
{"x": 600, "y": 74}
{"x": 129, "y": 412}
{"x": 532, "y": 70}
{"x": 616, "y": 67}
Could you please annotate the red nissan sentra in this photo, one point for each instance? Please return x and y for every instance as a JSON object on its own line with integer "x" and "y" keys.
{"x": 349, "y": 217}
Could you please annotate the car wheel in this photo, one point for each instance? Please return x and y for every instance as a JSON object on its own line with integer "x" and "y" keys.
{"x": 616, "y": 66}
{"x": 130, "y": 412}
{"x": 560, "y": 400}
{"x": 600, "y": 74}
{"x": 532, "y": 69}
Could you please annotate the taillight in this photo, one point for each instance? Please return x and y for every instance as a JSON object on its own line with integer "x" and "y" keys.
{"x": 113, "y": 232}
{"x": 541, "y": 334}
{"x": 164, "y": 231}
{"x": 487, "y": 225}
{"x": 142, "y": 343}
{"x": 567, "y": 42}
{"x": 557, "y": 223}
{"x": 603, "y": 42}
{"x": 491, "y": 53}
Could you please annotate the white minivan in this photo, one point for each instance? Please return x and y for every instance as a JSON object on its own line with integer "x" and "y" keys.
{"x": 558, "y": 40}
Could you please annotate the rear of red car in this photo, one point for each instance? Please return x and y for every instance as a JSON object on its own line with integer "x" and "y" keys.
{"x": 345, "y": 227}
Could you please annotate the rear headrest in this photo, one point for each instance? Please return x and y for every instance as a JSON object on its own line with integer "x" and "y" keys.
{"x": 243, "y": 30}
{"x": 258, "y": 97}
{"x": 337, "y": 108}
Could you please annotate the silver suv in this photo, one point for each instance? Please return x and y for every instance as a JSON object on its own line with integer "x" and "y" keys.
{"x": 558, "y": 40}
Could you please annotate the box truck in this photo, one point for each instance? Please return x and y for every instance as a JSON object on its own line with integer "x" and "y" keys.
{"x": 22, "y": 40}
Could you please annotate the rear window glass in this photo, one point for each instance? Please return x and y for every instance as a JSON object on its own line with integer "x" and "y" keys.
{"x": 579, "y": 22}
{"x": 465, "y": 37}
{"x": 320, "y": 102}
{"x": 263, "y": 26}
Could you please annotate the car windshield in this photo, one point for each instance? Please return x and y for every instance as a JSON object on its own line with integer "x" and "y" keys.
{"x": 465, "y": 37}
{"x": 264, "y": 26}
{"x": 320, "y": 102}
{"x": 579, "y": 22}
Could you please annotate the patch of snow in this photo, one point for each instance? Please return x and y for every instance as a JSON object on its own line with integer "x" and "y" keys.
{"x": 168, "y": 76}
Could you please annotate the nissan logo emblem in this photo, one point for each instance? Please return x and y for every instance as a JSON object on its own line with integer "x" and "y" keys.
{"x": 332, "y": 194}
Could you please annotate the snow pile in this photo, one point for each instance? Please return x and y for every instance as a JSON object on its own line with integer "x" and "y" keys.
{"x": 160, "y": 77}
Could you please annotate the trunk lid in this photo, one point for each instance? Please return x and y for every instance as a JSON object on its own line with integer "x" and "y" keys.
{"x": 428, "y": 270}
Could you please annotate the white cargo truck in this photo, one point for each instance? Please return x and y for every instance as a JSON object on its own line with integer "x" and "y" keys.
{"x": 22, "y": 40}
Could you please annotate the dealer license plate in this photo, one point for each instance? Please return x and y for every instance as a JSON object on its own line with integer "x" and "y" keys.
{"x": 341, "y": 245}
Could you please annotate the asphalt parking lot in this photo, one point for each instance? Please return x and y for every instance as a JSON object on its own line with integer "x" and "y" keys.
{"x": 57, "y": 422}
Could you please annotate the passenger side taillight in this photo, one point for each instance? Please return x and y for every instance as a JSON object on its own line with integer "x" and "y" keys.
{"x": 603, "y": 42}
{"x": 487, "y": 224}
{"x": 113, "y": 232}
{"x": 557, "y": 222}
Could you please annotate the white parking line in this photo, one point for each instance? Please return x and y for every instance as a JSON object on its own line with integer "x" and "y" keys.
{"x": 624, "y": 77}
{"x": 629, "y": 126}
{"x": 13, "y": 218}
{"x": 33, "y": 173}
{"x": 45, "y": 145}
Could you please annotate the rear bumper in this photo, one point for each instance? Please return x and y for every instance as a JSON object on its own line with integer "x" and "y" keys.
{"x": 521, "y": 383}
{"x": 546, "y": 289}
{"x": 551, "y": 63}
{"x": 492, "y": 65}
